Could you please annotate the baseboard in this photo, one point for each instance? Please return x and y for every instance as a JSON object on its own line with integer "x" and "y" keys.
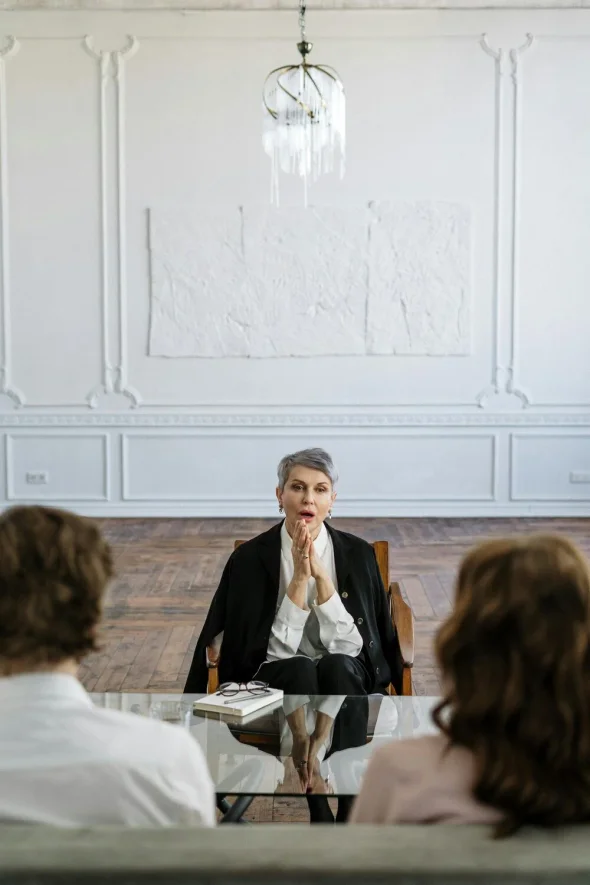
{"x": 370, "y": 509}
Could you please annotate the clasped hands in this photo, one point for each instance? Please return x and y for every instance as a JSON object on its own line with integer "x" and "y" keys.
{"x": 306, "y": 563}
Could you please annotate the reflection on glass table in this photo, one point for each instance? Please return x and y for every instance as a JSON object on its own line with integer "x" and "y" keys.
{"x": 308, "y": 746}
{"x": 358, "y": 725}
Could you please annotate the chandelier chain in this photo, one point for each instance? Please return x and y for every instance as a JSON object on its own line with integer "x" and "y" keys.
{"x": 302, "y": 9}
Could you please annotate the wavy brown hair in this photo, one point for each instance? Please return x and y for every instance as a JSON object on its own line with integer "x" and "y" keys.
{"x": 515, "y": 662}
{"x": 54, "y": 569}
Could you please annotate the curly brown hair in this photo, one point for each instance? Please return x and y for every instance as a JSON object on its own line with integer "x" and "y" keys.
{"x": 54, "y": 569}
{"x": 515, "y": 662}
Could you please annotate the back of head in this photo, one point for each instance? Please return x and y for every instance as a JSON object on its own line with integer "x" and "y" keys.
{"x": 515, "y": 661}
{"x": 54, "y": 569}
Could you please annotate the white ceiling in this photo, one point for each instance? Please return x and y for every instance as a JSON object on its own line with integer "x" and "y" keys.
{"x": 290, "y": 4}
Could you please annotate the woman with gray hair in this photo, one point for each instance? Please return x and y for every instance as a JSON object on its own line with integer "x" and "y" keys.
{"x": 301, "y": 606}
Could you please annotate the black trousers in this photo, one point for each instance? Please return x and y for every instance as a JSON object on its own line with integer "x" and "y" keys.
{"x": 332, "y": 674}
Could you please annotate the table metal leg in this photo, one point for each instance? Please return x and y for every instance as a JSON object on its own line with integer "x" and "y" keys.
{"x": 232, "y": 814}
{"x": 223, "y": 805}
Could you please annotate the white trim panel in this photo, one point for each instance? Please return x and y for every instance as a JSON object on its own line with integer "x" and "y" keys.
{"x": 542, "y": 465}
{"x": 68, "y": 467}
{"x": 378, "y": 469}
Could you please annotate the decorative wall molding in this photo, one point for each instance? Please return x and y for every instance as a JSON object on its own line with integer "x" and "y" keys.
{"x": 389, "y": 509}
{"x": 511, "y": 369}
{"x": 344, "y": 500}
{"x": 7, "y": 389}
{"x": 517, "y": 80}
{"x": 504, "y": 370}
{"x": 498, "y": 57}
{"x": 40, "y": 496}
{"x": 112, "y": 70}
{"x": 115, "y": 380}
{"x": 513, "y": 496}
{"x": 319, "y": 420}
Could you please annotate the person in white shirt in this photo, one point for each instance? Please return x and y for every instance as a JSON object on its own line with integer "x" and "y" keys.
{"x": 302, "y": 607}
{"x": 64, "y": 761}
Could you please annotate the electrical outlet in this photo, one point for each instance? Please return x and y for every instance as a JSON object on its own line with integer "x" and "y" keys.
{"x": 580, "y": 476}
{"x": 37, "y": 477}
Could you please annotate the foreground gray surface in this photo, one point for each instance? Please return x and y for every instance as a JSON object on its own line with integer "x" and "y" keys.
{"x": 291, "y": 853}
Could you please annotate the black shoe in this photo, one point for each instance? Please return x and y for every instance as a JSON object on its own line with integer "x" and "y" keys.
{"x": 319, "y": 810}
{"x": 345, "y": 804}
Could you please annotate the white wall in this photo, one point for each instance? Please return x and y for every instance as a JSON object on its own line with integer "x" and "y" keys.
{"x": 107, "y": 117}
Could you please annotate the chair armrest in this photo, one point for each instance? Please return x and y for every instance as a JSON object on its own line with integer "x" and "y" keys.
{"x": 212, "y": 678}
{"x": 403, "y": 621}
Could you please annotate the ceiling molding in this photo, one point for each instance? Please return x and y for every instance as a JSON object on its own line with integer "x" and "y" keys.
{"x": 258, "y": 5}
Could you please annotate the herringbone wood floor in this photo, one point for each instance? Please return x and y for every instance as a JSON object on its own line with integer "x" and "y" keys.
{"x": 168, "y": 569}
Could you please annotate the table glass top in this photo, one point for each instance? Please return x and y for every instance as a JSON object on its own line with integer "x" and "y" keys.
{"x": 308, "y": 745}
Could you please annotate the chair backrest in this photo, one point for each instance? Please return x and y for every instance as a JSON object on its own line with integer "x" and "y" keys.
{"x": 381, "y": 549}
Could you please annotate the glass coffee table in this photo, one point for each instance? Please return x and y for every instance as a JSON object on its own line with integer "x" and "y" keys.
{"x": 275, "y": 753}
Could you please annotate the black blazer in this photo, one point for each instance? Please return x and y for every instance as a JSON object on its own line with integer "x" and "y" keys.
{"x": 245, "y": 603}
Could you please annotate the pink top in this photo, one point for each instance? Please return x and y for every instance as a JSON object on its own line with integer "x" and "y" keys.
{"x": 411, "y": 781}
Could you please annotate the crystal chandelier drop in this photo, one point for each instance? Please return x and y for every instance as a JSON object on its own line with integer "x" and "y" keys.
{"x": 304, "y": 118}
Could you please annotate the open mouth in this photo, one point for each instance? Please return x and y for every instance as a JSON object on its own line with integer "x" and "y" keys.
{"x": 307, "y": 515}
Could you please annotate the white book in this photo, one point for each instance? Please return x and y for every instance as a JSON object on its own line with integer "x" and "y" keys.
{"x": 241, "y": 704}
{"x": 239, "y": 721}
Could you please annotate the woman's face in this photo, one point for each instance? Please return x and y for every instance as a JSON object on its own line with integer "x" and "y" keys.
{"x": 308, "y": 495}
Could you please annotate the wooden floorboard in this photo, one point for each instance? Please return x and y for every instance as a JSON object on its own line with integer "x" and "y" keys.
{"x": 168, "y": 569}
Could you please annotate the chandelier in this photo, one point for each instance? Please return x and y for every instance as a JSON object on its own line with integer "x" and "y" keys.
{"x": 304, "y": 118}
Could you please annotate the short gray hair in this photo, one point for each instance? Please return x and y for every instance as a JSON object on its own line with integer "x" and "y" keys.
{"x": 316, "y": 459}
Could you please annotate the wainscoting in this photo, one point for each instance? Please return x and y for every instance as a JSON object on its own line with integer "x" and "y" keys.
{"x": 389, "y": 466}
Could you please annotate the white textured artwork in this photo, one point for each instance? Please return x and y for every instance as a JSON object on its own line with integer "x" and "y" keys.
{"x": 419, "y": 279}
{"x": 385, "y": 279}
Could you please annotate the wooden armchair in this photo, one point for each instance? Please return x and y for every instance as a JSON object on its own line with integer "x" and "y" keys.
{"x": 401, "y": 615}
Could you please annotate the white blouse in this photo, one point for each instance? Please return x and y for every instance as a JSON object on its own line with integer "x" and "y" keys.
{"x": 322, "y": 629}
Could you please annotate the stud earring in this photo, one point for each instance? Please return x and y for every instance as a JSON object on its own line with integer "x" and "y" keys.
{"x": 281, "y": 508}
